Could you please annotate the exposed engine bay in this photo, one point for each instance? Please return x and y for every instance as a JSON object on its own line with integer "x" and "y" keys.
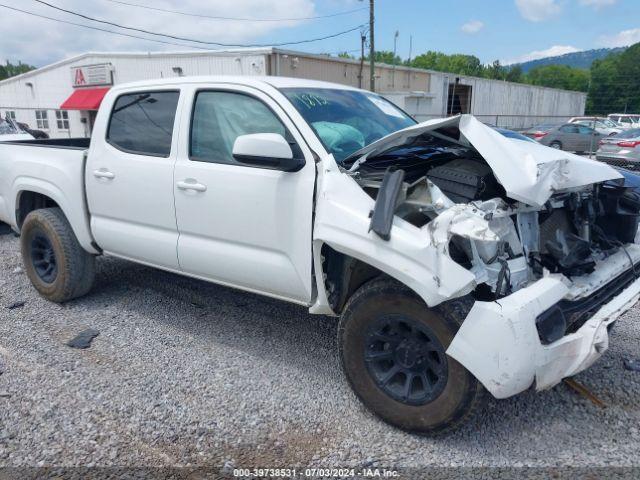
{"x": 435, "y": 180}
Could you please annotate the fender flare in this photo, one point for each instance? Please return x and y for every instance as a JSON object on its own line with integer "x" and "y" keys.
{"x": 76, "y": 214}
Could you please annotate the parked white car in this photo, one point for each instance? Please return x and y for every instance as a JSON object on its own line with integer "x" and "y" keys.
{"x": 10, "y": 132}
{"x": 459, "y": 260}
{"x": 625, "y": 120}
{"x": 603, "y": 126}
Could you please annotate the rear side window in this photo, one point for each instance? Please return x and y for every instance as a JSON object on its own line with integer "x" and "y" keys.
{"x": 142, "y": 123}
{"x": 220, "y": 117}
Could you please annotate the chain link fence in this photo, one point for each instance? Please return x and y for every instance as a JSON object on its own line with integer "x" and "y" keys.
{"x": 512, "y": 122}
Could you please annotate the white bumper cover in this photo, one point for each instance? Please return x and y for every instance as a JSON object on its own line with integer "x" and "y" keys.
{"x": 498, "y": 341}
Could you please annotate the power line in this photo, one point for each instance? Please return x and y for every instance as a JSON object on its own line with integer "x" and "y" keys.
{"x": 213, "y": 17}
{"x": 185, "y": 39}
{"x": 101, "y": 29}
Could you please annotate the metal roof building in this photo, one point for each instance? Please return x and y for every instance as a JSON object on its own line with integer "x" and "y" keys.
{"x": 62, "y": 98}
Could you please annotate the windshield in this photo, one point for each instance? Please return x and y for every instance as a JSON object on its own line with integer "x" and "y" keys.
{"x": 347, "y": 120}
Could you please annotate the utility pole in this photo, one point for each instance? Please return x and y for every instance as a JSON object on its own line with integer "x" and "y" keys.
{"x": 363, "y": 39}
{"x": 409, "y": 61}
{"x": 372, "y": 50}
{"x": 395, "y": 42}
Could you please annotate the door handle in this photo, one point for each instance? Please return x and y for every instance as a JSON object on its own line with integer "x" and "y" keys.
{"x": 104, "y": 173}
{"x": 193, "y": 185}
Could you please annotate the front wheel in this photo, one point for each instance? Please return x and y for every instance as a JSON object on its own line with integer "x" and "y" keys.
{"x": 392, "y": 348}
{"x": 556, "y": 145}
{"x": 58, "y": 267}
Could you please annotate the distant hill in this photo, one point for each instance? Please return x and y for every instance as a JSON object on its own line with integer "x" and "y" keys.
{"x": 578, "y": 59}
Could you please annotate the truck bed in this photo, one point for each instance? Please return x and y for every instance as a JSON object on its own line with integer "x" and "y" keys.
{"x": 53, "y": 168}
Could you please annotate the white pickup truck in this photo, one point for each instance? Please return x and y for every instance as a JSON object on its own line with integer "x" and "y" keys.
{"x": 460, "y": 261}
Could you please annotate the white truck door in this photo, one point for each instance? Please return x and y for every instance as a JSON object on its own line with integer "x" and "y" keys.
{"x": 129, "y": 179}
{"x": 242, "y": 226}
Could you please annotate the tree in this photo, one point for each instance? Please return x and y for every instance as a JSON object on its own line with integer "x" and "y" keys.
{"x": 559, "y": 76}
{"x": 457, "y": 63}
{"x": 495, "y": 71}
{"x": 514, "y": 74}
{"x": 346, "y": 55}
{"x": 615, "y": 83}
{"x": 11, "y": 70}
{"x": 385, "y": 56}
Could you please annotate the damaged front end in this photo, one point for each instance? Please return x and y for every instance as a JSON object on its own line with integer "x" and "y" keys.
{"x": 546, "y": 240}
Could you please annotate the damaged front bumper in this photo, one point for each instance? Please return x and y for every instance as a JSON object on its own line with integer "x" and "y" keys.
{"x": 500, "y": 342}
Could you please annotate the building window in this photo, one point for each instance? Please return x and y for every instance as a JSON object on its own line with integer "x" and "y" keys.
{"x": 42, "y": 120}
{"x": 10, "y": 114}
{"x": 62, "y": 118}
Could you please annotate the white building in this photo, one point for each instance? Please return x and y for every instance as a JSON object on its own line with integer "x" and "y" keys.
{"x": 62, "y": 98}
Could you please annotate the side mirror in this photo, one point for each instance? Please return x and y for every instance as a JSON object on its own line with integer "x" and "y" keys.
{"x": 266, "y": 150}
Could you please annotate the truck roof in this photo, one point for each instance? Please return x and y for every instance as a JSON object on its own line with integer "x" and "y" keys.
{"x": 259, "y": 82}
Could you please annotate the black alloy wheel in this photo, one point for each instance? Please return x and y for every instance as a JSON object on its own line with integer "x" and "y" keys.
{"x": 43, "y": 258}
{"x": 406, "y": 360}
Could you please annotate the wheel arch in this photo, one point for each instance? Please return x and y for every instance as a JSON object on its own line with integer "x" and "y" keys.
{"x": 343, "y": 275}
{"x": 32, "y": 194}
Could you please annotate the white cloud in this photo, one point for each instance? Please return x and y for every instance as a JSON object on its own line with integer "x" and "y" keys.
{"x": 538, "y": 10}
{"x": 55, "y": 41}
{"x": 554, "y": 51}
{"x": 621, "y": 39}
{"x": 597, "y": 4}
{"x": 474, "y": 26}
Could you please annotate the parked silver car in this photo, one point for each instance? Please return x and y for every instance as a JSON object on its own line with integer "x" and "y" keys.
{"x": 622, "y": 150}
{"x": 571, "y": 137}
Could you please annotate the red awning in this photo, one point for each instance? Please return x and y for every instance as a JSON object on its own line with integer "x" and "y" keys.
{"x": 85, "y": 99}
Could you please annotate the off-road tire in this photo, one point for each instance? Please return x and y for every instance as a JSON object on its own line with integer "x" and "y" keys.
{"x": 75, "y": 266}
{"x": 462, "y": 395}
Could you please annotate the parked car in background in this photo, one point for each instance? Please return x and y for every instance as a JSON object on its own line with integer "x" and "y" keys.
{"x": 626, "y": 120}
{"x": 571, "y": 137}
{"x": 622, "y": 150}
{"x": 539, "y": 131}
{"x": 602, "y": 125}
{"x": 10, "y": 132}
{"x": 37, "y": 134}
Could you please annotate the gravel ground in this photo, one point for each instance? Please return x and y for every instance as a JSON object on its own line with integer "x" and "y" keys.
{"x": 186, "y": 373}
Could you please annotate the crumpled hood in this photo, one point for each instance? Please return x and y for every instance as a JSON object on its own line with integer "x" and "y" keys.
{"x": 529, "y": 172}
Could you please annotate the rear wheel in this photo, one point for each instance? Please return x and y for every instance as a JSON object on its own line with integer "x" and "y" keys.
{"x": 556, "y": 144}
{"x": 58, "y": 267}
{"x": 392, "y": 349}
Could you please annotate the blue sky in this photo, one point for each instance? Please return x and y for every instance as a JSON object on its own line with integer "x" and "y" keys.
{"x": 499, "y": 29}
{"x": 508, "y": 30}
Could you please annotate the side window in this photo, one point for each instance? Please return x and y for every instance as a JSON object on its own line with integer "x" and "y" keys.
{"x": 220, "y": 117}
{"x": 585, "y": 130}
{"x": 142, "y": 122}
